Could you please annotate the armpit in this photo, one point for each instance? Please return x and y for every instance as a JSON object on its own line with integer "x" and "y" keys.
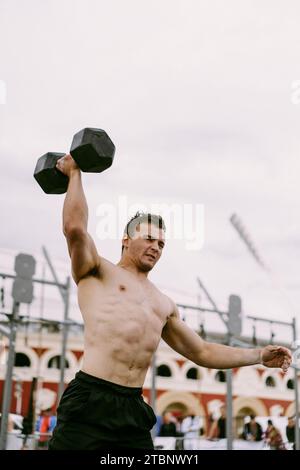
{"x": 94, "y": 272}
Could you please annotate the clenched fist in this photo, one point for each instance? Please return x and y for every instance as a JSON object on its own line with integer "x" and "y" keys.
{"x": 66, "y": 165}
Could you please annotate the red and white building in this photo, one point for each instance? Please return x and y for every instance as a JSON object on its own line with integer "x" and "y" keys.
{"x": 180, "y": 384}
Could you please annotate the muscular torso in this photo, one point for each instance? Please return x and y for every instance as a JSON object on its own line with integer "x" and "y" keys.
{"x": 124, "y": 317}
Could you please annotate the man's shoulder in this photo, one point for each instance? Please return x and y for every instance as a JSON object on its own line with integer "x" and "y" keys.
{"x": 164, "y": 297}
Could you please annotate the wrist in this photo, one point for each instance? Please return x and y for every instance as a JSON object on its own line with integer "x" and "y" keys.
{"x": 260, "y": 358}
{"x": 74, "y": 172}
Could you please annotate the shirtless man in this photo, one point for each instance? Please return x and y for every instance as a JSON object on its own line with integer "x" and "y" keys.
{"x": 125, "y": 316}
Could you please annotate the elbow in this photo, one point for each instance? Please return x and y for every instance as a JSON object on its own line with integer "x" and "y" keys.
{"x": 202, "y": 356}
{"x": 73, "y": 232}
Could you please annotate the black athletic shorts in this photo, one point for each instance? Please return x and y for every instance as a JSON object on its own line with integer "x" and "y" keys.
{"x": 96, "y": 414}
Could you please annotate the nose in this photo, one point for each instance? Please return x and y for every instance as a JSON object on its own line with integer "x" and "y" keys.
{"x": 154, "y": 246}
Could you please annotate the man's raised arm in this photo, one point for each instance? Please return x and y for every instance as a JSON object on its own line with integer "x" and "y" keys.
{"x": 84, "y": 257}
{"x": 186, "y": 342}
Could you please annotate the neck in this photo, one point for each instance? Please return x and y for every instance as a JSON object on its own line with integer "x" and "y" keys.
{"x": 132, "y": 267}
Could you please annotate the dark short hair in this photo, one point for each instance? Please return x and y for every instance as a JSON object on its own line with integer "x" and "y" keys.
{"x": 143, "y": 217}
{"x": 252, "y": 416}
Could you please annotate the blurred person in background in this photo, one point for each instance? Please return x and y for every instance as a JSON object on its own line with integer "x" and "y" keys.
{"x": 252, "y": 430}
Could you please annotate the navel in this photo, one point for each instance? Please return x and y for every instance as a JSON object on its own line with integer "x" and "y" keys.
{"x": 122, "y": 287}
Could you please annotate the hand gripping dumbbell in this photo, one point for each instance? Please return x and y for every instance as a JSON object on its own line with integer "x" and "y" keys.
{"x": 92, "y": 150}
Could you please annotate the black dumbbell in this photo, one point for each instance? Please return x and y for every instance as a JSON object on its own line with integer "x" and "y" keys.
{"x": 92, "y": 150}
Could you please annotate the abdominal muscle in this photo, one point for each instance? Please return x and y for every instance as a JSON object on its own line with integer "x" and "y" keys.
{"x": 122, "y": 330}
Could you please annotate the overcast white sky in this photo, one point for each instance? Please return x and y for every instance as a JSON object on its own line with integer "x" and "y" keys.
{"x": 196, "y": 96}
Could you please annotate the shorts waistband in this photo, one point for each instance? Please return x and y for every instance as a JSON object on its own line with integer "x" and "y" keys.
{"x": 122, "y": 389}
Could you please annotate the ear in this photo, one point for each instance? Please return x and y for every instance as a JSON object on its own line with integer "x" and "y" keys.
{"x": 125, "y": 241}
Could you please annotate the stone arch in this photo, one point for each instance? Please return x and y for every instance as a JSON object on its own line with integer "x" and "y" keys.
{"x": 243, "y": 406}
{"x": 188, "y": 400}
{"x": 257, "y": 405}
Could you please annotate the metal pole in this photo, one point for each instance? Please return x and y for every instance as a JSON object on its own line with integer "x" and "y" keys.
{"x": 222, "y": 315}
{"x": 18, "y": 394}
{"x": 61, "y": 287}
{"x": 296, "y": 388}
{"x": 201, "y": 285}
{"x": 24, "y": 320}
{"x": 201, "y": 309}
{"x": 229, "y": 433}
{"x": 8, "y": 379}
{"x": 153, "y": 390}
{"x": 64, "y": 292}
{"x": 39, "y": 281}
{"x": 64, "y": 341}
{"x": 267, "y": 320}
{"x": 4, "y": 331}
{"x": 153, "y": 383}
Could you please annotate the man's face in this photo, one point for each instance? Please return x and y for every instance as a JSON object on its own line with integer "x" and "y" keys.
{"x": 145, "y": 245}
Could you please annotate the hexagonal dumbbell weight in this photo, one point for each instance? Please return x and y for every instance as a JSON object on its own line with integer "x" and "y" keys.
{"x": 92, "y": 150}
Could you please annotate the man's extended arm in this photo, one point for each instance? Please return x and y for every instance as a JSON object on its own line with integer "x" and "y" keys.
{"x": 82, "y": 250}
{"x": 75, "y": 210}
{"x": 217, "y": 356}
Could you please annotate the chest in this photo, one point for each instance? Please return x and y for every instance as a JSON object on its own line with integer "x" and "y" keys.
{"x": 144, "y": 297}
{"x": 141, "y": 299}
